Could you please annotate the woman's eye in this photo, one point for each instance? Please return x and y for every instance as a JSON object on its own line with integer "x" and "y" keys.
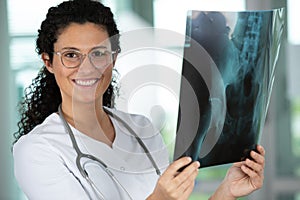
{"x": 71, "y": 55}
{"x": 98, "y": 53}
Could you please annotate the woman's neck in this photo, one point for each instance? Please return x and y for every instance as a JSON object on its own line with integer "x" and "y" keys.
{"x": 91, "y": 120}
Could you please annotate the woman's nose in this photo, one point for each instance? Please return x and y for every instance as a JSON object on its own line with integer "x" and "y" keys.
{"x": 86, "y": 65}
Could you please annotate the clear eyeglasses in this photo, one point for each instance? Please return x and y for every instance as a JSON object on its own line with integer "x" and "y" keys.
{"x": 99, "y": 57}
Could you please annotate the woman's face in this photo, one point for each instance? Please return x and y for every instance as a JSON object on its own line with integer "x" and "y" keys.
{"x": 85, "y": 83}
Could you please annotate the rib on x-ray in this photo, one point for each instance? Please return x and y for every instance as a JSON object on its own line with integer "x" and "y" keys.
{"x": 227, "y": 78}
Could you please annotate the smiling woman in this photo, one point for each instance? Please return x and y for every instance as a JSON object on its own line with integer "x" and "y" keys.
{"x": 73, "y": 144}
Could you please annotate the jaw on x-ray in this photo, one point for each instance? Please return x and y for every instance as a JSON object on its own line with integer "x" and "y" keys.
{"x": 227, "y": 78}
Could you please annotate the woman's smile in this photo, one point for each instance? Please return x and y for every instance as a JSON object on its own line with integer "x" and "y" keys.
{"x": 86, "y": 82}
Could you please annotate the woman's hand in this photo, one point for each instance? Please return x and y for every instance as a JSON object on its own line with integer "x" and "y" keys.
{"x": 176, "y": 185}
{"x": 243, "y": 177}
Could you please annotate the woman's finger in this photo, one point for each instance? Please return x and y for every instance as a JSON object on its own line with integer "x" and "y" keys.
{"x": 254, "y": 165}
{"x": 186, "y": 179}
{"x": 259, "y": 158}
{"x": 172, "y": 170}
{"x": 238, "y": 164}
{"x": 187, "y": 173}
{"x": 261, "y": 150}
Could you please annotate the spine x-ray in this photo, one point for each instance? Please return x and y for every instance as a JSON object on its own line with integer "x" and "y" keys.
{"x": 227, "y": 77}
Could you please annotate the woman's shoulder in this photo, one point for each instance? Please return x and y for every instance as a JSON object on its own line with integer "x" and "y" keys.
{"x": 38, "y": 138}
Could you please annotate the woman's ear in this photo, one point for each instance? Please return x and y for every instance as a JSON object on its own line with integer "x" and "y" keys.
{"x": 115, "y": 58}
{"x": 47, "y": 62}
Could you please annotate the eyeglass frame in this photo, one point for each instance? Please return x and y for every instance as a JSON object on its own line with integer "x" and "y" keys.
{"x": 82, "y": 56}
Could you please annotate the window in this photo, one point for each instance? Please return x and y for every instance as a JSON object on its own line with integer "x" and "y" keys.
{"x": 293, "y": 16}
{"x": 24, "y": 21}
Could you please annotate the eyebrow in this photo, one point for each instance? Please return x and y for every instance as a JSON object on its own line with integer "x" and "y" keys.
{"x": 76, "y": 49}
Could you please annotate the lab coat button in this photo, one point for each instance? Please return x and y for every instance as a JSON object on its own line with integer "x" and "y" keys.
{"x": 122, "y": 168}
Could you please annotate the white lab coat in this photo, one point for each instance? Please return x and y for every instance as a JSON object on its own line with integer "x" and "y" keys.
{"x": 44, "y": 161}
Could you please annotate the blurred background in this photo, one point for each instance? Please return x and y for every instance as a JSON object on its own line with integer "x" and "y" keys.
{"x": 20, "y": 20}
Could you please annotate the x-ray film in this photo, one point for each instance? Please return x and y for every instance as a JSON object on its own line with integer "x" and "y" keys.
{"x": 227, "y": 78}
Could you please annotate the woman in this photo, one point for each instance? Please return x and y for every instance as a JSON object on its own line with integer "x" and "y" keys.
{"x": 68, "y": 112}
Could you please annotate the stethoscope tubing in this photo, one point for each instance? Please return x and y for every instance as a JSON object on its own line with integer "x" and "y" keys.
{"x": 102, "y": 164}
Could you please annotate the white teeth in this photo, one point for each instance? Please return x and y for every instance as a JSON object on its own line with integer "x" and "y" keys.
{"x": 86, "y": 82}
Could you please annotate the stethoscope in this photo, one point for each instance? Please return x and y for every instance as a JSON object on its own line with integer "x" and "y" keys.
{"x": 105, "y": 168}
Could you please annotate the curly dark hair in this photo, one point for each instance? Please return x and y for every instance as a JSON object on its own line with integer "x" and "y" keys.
{"x": 43, "y": 97}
